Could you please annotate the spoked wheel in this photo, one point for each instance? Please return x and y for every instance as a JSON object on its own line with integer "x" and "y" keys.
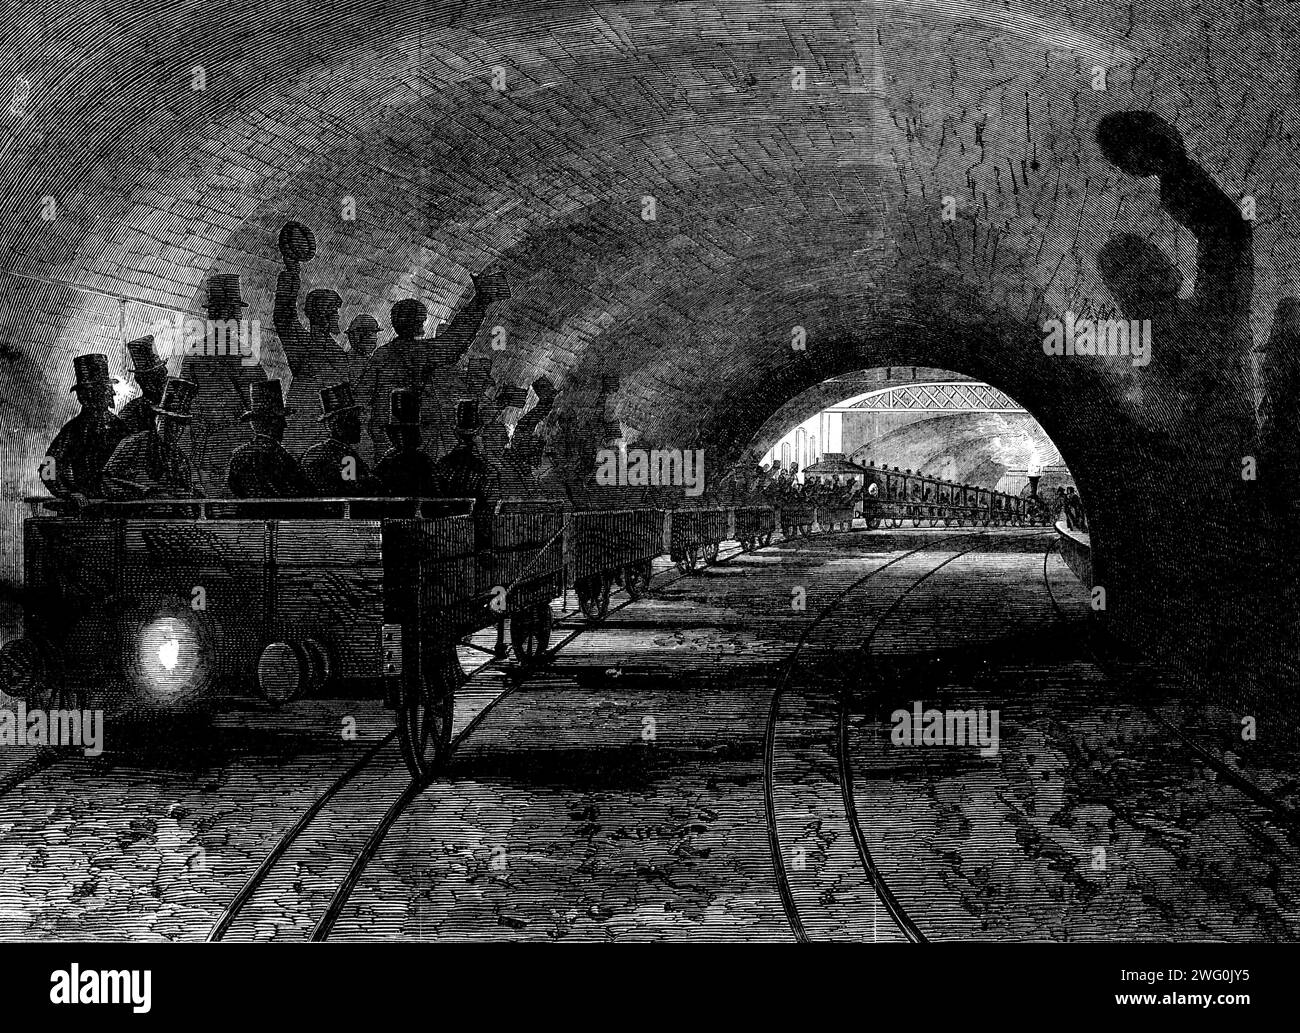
{"x": 690, "y": 559}
{"x": 636, "y": 579}
{"x": 875, "y": 523}
{"x": 593, "y": 596}
{"x": 424, "y": 713}
{"x": 530, "y": 634}
{"x": 711, "y": 554}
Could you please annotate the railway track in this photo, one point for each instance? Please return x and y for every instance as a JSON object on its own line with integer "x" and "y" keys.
{"x": 905, "y": 924}
{"x": 339, "y": 899}
{"x": 782, "y": 875}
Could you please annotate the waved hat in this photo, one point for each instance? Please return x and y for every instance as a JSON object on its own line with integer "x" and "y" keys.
{"x": 144, "y": 359}
{"x": 298, "y": 240}
{"x": 336, "y": 399}
{"x": 512, "y": 396}
{"x": 467, "y": 419}
{"x": 223, "y": 289}
{"x": 265, "y": 398}
{"x": 91, "y": 370}
{"x": 177, "y": 399}
{"x": 404, "y": 408}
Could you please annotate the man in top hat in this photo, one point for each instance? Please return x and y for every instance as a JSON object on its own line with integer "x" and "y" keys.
{"x": 151, "y": 462}
{"x": 428, "y": 366}
{"x": 405, "y": 469}
{"x": 464, "y": 473}
{"x": 224, "y": 377}
{"x": 333, "y": 467}
{"x": 150, "y": 374}
{"x": 74, "y": 462}
{"x": 263, "y": 468}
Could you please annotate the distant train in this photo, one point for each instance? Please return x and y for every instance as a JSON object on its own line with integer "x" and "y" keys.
{"x": 891, "y": 498}
{"x": 158, "y": 605}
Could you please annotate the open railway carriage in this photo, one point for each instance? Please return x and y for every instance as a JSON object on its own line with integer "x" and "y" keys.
{"x": 608, "y": 547}
{"x": 158, "y": 606}
{"x": 695, "y": 534}
{"x": 754, "y": 526}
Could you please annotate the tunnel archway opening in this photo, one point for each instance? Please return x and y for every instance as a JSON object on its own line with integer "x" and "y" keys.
{"x": 925, "y": 420}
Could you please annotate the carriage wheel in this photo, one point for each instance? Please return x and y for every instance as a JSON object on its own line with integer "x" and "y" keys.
{"x": 636, "y": 579}
{"x": 767, "y": 538}
{"x": 424, "y": 716}
{"x": 593, "y": 596}
{"x": 711, "y": 553}
{"x": 875, "y": 523}
{"x": 530, "y": 634}
{"x": 690, "y": 559}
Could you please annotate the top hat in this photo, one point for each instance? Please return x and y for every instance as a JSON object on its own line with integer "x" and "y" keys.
{"x": 177, "y": 399}
{"x": 91, "y": 369}
{"x": 144, "y": 359}
{"x": 404, "y": 408}
{"x": 336, "y": 399}
{"x": 265, "y": 398}
{"x": 467, "y": 420}
{"x": 223, "y": 289}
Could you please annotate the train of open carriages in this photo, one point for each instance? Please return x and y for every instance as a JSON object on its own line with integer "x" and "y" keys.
{"x": 162, "y": 605}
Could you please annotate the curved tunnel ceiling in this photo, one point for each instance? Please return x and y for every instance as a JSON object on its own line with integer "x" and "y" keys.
{"x": 775, "y": 207}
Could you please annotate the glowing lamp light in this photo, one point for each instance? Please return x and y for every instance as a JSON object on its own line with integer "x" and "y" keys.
{"x": 169, "y": 655}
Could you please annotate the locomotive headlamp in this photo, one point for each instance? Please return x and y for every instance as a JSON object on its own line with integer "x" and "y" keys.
{"x": 168, "y": 656}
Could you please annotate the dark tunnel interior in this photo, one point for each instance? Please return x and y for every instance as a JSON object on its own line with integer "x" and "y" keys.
{"x": 676, "y": 193}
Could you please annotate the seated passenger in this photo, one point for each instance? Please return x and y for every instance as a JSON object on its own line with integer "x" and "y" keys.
{"x": 333, "y": 467}
{"x": 74, "y": 462}
{"x": 464, "y": 473}
{"x": 263, "y": 468}
{"x": 405, "y": 470}
{"x": 151, "y": 462}
{"x": 150, "y": 373}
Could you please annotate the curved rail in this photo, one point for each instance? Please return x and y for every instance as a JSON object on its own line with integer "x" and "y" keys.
{"x": 769, "y": 743}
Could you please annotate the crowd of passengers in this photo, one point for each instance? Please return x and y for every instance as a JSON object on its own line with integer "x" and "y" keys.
{"x": 433, "y": 416}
